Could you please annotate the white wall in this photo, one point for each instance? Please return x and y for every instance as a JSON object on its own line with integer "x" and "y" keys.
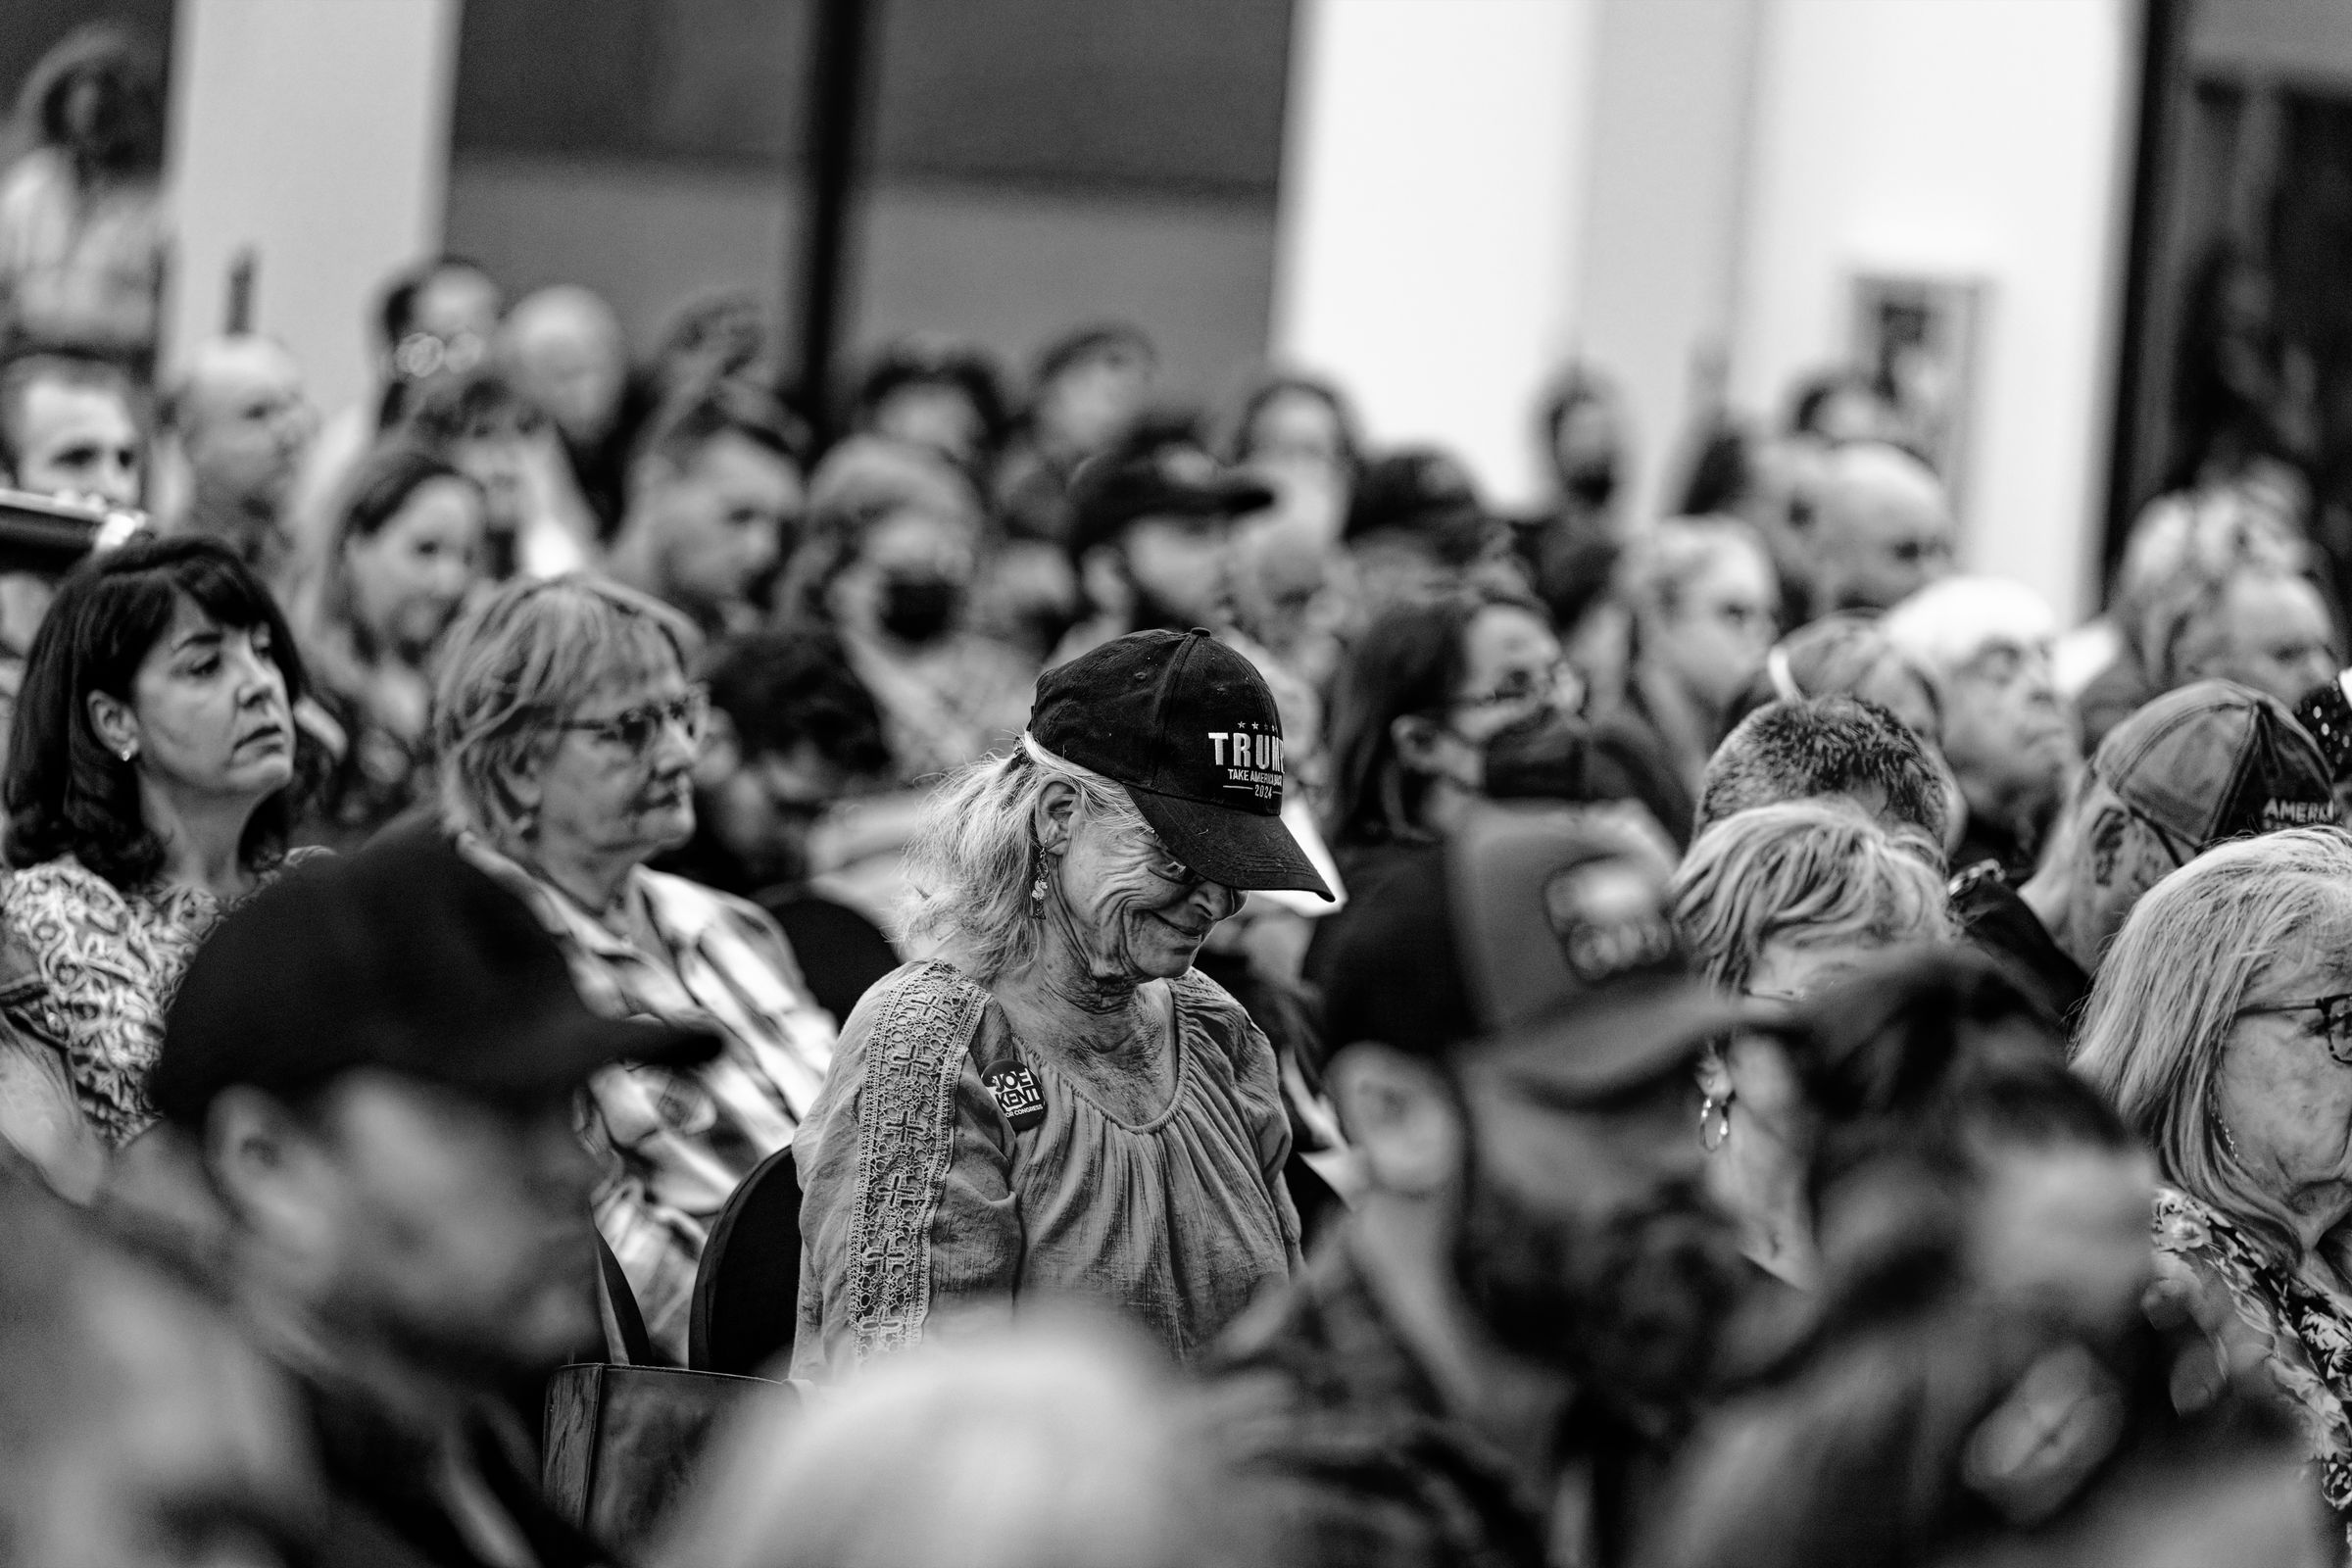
{"x": 316, "y": 132}
{"x": 1428, "y": 237}
{"x": 1975, "y": 137}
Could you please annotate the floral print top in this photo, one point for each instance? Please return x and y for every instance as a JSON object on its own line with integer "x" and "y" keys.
{"x": 2301, "y": 1332}
{"x": 112, "y": 961}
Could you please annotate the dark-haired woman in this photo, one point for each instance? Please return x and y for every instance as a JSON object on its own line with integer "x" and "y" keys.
{"x": 147, "y": 793}
{"x": 408, "y": 553}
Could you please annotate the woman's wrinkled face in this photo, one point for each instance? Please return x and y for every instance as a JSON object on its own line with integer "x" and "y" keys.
{"x": 409, "y": 578}
{"x": 617, "y": 776}
{"x": 1134, "y": 911}
{"x": 208, "y": 711}
{"x": 2282, "y": 1098}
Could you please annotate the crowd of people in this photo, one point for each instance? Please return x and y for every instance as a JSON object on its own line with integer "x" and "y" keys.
{"x": 1298, "y": 1016}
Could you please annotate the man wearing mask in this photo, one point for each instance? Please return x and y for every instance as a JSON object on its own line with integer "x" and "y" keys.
{"x": 715, "y": 495}
{"x": 1506, "y": 1335}
{"x": 378, "y": 1059}
{"x": 244, "y": 427}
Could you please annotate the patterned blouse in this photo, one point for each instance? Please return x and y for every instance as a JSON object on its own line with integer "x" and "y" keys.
{"x": 2301, "y": 1332}
{"x": 675, "y": 1143}
{"x": 112, "y": 961}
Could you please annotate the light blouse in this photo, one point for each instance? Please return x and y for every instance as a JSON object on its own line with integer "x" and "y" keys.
{"x": 921, "y": 1194}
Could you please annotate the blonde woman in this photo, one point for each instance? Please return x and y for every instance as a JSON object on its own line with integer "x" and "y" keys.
{"x": 1059, "y": 1102}
{"x": 1780, "y": 903}
{"x": 2220, "y": 1028}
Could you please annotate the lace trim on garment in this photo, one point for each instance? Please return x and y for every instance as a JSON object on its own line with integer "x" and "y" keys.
{"x": 905, "y": 1141}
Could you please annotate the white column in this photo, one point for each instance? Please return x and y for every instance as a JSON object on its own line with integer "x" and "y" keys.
{"x": 1974, "y": 138}
{"x": 316, "y": 134}
{"x": 1431, "y": 205}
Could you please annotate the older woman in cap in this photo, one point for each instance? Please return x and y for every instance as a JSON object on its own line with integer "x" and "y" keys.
{"x": 2220, "y": 1028}
{"x": 566, "y": 731}
{"x": 1057, "y": 1101}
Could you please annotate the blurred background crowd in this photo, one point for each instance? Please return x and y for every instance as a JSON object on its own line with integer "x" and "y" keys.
{"x": 1775, "y": 572}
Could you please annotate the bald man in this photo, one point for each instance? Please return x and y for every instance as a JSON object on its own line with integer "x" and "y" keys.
{"x": 1881, "y": 528}
{"x": 244, "y": 425}
{"x": 565, "y": 350}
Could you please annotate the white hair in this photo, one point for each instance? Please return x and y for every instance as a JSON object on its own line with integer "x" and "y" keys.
{"x": 1947, "y": 623}
{"x": 975, "y": 855}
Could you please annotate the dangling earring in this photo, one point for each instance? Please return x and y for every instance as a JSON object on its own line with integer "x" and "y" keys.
{"x": 1720, "y": 1112}
{"x": 1037, "y": 883}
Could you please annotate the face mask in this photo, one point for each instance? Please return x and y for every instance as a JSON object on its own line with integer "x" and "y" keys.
{"x": 1595, "y": 484}
{"x": 918, "y": 608}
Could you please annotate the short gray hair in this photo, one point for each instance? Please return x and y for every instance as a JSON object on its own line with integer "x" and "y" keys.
{"x": 2171, "y": 989}
{"x": 522, "y": 661}
{"x": 1815, "y": 870}
{"x": 974, "y": 854}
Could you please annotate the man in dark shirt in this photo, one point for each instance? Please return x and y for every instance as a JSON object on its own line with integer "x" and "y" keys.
{"x": 1489, "y": 1358}
{"x": 378, "y": 1056}
{"x": 2199, "y": 765}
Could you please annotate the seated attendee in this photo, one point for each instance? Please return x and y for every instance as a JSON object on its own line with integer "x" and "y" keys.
{"x": 2262, "y": 628}
{"x": 72, "y": 428}
{"x": 565, "y": 732}
{"x": 1881, "y": 529}
{"x": 1706, "y": 606}
{"x": 1978, "y": 1383}
{"x": 243, "y": 425}
{"x": 434, "y": 319}
{"x": 2191, "y": 769}
{"x": 896, "y": 584}
{"x": 1492, "y": 1349}
{"x": 1091, "y": 387}
{"x": 1421, "y": 704}
{"x": 792, "y": 732}
{"x": 409, "y": 551}
{"x": 148, "y": 787}
{"x": 716, "y": 495}
{"x": 1779, "y": 904}
{"x": 1059, "y": 1102}
{"x": 1151, "y": 535}
{"x": 944, "y": 397}
{"x": 565, "y": 351}
{"x": 482, "y": 425}
{"x": 2218, "y": 1030}
{"x": 1300, "y": 434}
{"x": 2182, "y": 548}
{"x": 380, "y": 1061}
{"x": 1825, "y": 747}
{"x": 142, "y": 1431}
{"x": 2007, "y": 737}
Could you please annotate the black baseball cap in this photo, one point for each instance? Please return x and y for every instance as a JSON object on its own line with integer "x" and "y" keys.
{"x": 1188, "y": 726}
{"x": 2216, "y": 761}
{"x": 1562, "y": 922}
{"x": 403, "y": 957}
{"x": 1157, "y": 475}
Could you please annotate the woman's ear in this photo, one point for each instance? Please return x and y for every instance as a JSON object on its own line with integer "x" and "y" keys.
{"x": 1418, "y": 741}
{"x": 1715, "y": 1075}
{"x": 1399, "y": 1118}
{"x": 114, "y": 724}
{"x": 1056, "y": 812}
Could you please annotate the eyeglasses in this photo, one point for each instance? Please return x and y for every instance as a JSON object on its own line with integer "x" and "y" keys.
{"x": 635, "y": 729}
{"x": 1522, "y": 686}
{"x": 2336, "y": 1022}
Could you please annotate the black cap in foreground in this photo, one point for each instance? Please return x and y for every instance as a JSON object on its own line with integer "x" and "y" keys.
{"x": 403, "y": 958}
{"x": 1188, "y": 726}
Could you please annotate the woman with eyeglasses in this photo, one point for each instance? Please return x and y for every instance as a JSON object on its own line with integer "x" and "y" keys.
{"x": 1706, "y": 605}
{"x": 2221, "y": 1029}
{"x": 406, "y": 552}
{"x": 1055, "y": 1102}
{"x": 565, "y": 730}
{"x": 149, "y": 776}
{"x": 1780, "y": 903}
